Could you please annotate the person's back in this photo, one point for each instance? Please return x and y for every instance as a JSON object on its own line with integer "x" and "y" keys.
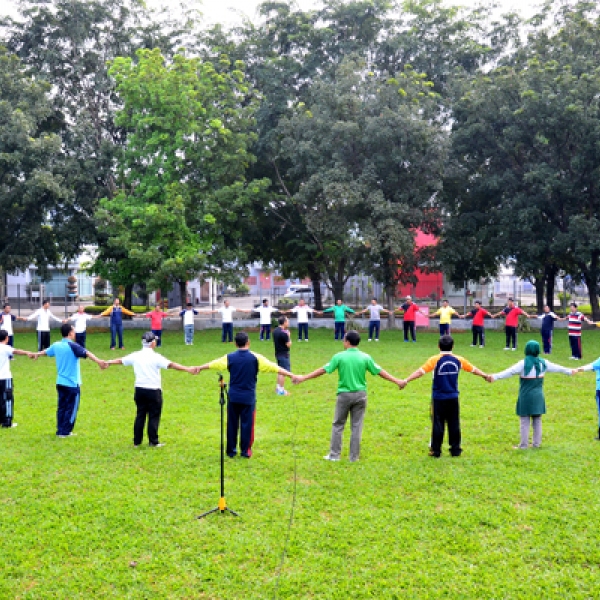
{"x": 445, "y": 376}
{"x": 243, "y": 373}
{"x": 67, "y": 355}
{"x": 146, "y": 365}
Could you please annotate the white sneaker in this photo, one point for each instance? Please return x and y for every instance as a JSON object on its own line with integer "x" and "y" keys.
{"x": 513, "y": 349}
{"x": 14, "y": 425}
{"x": 368, "y": 340}
{"x": 156, "y": 445}
{"x": 507, "y": 348}
{"x": 306, "y": 340}
{"x": 472, "y": 345}
{"x": 482, "y": 346}
{"x": 331, "y": 458}
{"x": 376, "y": 341}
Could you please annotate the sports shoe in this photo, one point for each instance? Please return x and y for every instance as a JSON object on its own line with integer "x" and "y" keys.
{"x": 473, "y": 345}
{"x": 507, "y": 348}
{"x": 156, "y": 445}
{"x": 306, "y": 340}
{"x": 282, "y": 392}
{"x": 482, "y": 346}
{"x": 369, "y": 340}
{"x": 414, "y": 341}
{"x": 376, "y": 341}
{"x": 513, "y": 349}
{"x": 330, "y": 458}
{"x": 9, "y": 426}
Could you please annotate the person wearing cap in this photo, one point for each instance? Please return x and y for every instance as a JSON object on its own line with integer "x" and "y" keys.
{"x": 188, "y": 323}
{"x": 244, "y": 367}
{"x": 68, "y": 381}
{"x": 148, "y": 397}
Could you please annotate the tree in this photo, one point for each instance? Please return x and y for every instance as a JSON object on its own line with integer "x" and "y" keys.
{"x": 182, "y": 170}
{"x": 32, "y": 193}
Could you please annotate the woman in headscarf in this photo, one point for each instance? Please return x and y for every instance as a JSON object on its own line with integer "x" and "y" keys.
{"x": 531, "y": 404}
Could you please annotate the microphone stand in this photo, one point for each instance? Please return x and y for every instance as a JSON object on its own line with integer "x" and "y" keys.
{"x": 222, "y": 505}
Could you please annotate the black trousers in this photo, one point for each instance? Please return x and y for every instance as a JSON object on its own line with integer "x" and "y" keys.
{"x": 511, "y": 336}
{"x": 446, "y": 412}
{"x": 80, "y": 338}
{"x": 478, "y": 335}
{"x": 240, "y": 417}
{"x": 547, "y": 340}
{"x": 409, "y": 326}
{"x": 575, "y": 341}
{"x": 6, "y": 402}
{"x": 149, "y": 404}
{"x": 43, "y": 340}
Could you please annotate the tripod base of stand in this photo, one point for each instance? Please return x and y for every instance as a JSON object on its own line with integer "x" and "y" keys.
{"x": 222, "y": 508}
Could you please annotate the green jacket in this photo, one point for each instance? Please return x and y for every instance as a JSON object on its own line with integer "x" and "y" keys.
{"x": 339, "y": 312}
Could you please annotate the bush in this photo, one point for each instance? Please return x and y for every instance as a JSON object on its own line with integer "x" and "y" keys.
{"x": 242, "y": 290}
{"x": 96, "y": 310}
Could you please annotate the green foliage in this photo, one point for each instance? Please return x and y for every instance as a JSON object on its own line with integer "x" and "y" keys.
{"x": 97, "y": 309}
{"x": 91, "y": 516}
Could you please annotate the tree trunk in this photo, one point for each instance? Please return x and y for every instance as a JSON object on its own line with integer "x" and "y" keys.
{"x": 591, "y": 280}
{"x": 390, "y": 292}
{"x": 338, "y": 289}
{"x": 183, "y": 293}
{"x": 315, "y": 278}
{"x": 550, "y": 286}
{"x": 128, "y": 296}
{"x": 540, "y": 288}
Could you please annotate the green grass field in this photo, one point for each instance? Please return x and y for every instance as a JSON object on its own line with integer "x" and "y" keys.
{"x": 92, "y": 517}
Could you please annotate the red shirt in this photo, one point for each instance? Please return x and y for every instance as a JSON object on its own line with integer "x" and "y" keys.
{"x": 512, "y": 316}
{"x": 156, "y": 319}
{"x": 410, "y": 311}
{"x": 479, "y": 315}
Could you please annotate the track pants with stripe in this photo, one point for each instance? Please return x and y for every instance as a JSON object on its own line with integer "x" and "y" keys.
{"x": 68, "y": 406}
{"x": 6, "y": 402}
{"x": 240, "y": 417}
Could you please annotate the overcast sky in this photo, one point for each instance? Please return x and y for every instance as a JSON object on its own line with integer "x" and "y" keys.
{"x": 229, "y": 11}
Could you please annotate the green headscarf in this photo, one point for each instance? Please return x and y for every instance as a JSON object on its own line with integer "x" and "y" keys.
{"x": 532, "y": 352}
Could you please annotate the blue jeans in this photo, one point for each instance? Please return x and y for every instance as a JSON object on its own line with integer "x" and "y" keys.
{"x": 444, "y": 329}
{"x": 374, "y": 328}
{"x": 302, "y": 328}
{"x": 227, "y": 332}
{"x": 265, "y": 330}
{"x": 188, "y": 331}
{"x": 158, "y": 335}
{"x": 116, "y": 330}
{"x": 340, "y": 329}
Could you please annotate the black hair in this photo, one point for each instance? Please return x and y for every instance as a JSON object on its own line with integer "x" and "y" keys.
{"x": 65, "y": 329}
{"x": 6, "y": 305}
{"x": 265, "y": 300}
{"x": 574, "y": 304}
{"x": 477, "y": 301}
{"x": 446, "y": 343}
{"x": 241, "y": 339}
{"x": 3, "y": 335}
{"x": 45, "y": 301}
{"x": 353, "y": 338}
{"x": 148, "y": 337}
{"x": 189, "y": 304}
{"x": 282, "y": 320}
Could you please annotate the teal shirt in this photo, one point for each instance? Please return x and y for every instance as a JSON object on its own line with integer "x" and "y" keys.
{"x": 339, "y": 312}
{"x": 352, "y": 366}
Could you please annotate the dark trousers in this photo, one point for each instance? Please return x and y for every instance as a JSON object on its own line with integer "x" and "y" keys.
{"x": 116, "y": 330}
{"x": 6, "y": 402}
{"x": 511, "y": 336}
{"x": 409, "y": 326}
{"x": 547, "y": 340}
{"x": 240, "y": 417}
{"x": 478, "y": 335}
{"x": 340, "y": 330}
{"x": 575, "y": 341}
{"x": 302, "y": 330}
{"x": 227, "y": 332}
{"x": 80, "y": 338}
{"x": 149, "y": 404}
{"x": 444, "y": 329}
{"x": 68, "y": 405}
{"x": 11, "y": 341}
{"x": 265, "y": 332}
{"x": 158, "y": 335}
{"x": 446, "y": 411}
{"x": 43, "y": 340}
{"x": 374, "y": 329}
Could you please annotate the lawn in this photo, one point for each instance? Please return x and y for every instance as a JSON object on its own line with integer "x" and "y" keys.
{"x": 92, "y": 517}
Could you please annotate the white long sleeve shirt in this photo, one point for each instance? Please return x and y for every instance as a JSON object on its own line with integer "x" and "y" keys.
{"x": 43, "y": 316}
{"x": 302, "y": 313}
{"x": 519, "y": 369}
{"x": 80, "y": 320}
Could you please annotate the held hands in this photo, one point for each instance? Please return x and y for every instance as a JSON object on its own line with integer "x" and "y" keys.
{"x": 402, "y": 383}
{"x": 103, "y": 365}
{"x": 489, "y": 378}
{"x": 297, "y": 379}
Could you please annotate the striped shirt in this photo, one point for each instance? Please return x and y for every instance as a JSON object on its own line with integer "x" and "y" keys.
{"x": 574, "y": 323}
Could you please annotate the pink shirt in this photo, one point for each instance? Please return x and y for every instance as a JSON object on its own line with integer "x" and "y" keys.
{"x": 156, "y": 319}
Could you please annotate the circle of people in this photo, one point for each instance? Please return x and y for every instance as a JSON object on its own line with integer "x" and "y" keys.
{"x": 244, "y": 365}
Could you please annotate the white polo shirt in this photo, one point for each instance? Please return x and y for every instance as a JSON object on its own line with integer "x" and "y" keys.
{"x": 147, "y": 365}
{"x": 265, "y": 313}
{"x": 6, "y": 353}
{"x": 7, "y": 323}
{"x": 302, "y": 313}
{"x": 80, "y": 320}
{"x": 227, "y": 313}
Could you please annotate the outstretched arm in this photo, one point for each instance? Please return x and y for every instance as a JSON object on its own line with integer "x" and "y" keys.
{"x": 101, "y": 363}
{"x": 178, "y": 367}
{"x": 300, "y": 378}
{"x": 23, "y": 353}
{"x": 385, "y": 375}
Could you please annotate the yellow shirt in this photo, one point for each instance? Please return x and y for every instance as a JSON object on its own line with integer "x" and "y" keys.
{"x": 445, "y": 314}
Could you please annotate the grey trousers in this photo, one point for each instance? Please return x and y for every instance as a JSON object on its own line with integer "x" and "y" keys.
{"x": 537, "y": 431}
{"x": 355, "y": 405}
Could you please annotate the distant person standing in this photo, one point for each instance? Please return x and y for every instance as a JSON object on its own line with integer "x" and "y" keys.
{"x": 374, "y": 310}
{"x": 283, "y": 343}
{"x": 339, "y": 316}
{"x": 548, "y": 318}
{"x": 226, "y": 312}
{"x": 478, "y": 315}
{"x": 6, "y": 382}
{"x": 43, "y": 316}
{"x": 265, "y": 311}
{"x": 574, "y": 321}
{"x": 156, "y": 317}
{"x": 188, "y": 323}
{"x": 302, "y": 311}
{"x": 116, "y": 312}
{"x": 67, "y": 354}
{"x": 410, "y": 313}
{"x": 512, "y": 313}
{"x": 6, "y": 323}
{"x": 80, "y": 318}
{"x": 445, "y": 312}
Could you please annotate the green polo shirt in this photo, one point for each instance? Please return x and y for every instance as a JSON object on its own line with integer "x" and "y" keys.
{"x": 352, "y": 366}
{"x": 339, "y": 312}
